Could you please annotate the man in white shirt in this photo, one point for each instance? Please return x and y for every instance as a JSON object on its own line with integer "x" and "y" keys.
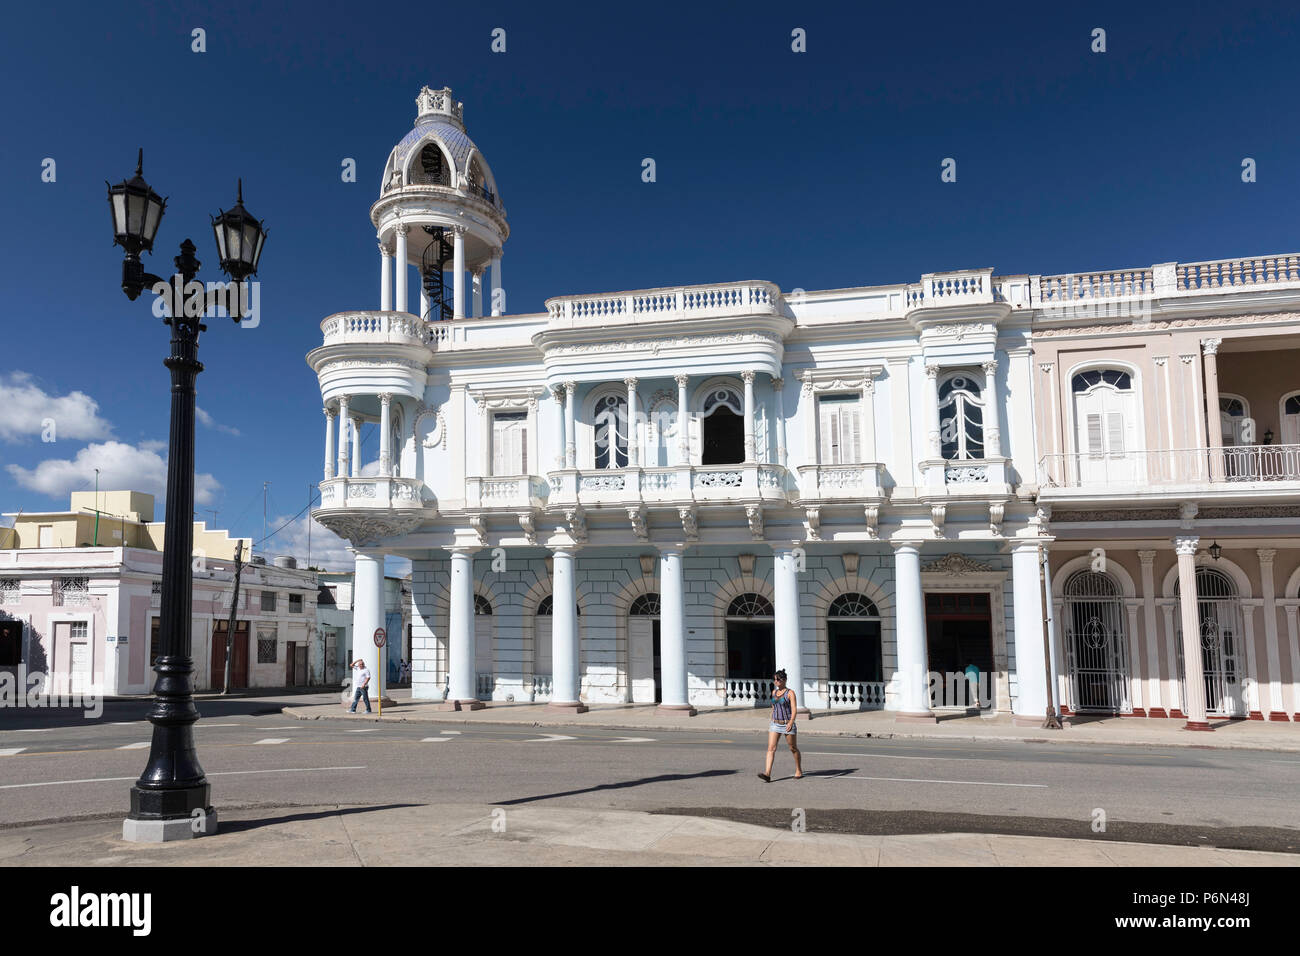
{"x": 360, "y": 685}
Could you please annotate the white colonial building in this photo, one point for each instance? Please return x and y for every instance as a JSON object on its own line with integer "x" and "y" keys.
{"x": 661, "y": 495}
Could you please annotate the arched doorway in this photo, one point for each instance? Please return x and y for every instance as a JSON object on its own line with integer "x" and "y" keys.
{"x": 751, "y": 649}
{"x": 855, "y": 661}
{"x": 722, "y": 428}
{"x": 643, "y": 669}
{"x": 1096, "y": 643}
{"x": 485, "y": 677}
{"x": 1218, "y": 614}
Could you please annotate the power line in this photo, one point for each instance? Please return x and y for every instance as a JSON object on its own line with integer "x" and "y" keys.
{"x": 287, "y": 523}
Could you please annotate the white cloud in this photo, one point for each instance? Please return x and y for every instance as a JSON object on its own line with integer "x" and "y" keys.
{"x": 122, "y": 467}
{"x": 328, "y": 550}
{"x": 207, "y": 421}
{"x": 25, "y": 408}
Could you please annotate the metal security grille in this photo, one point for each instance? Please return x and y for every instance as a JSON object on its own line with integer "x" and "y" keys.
{"x": 1218, "y": 614}
{"x": 647, "y": 605}
{"x": 1096, "y": 643}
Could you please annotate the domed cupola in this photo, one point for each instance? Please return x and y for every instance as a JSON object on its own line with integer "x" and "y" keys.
{"x": 439, "y": 210}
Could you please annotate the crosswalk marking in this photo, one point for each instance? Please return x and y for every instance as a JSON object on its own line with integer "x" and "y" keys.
{"x": 272, "y": 740}
{"x": 434, "y": 740}
{"x": 455, "y": 733}
{"x": 368, "y": 730}
{"x": 138, "y": 745}
{"x": 10, "y": 751}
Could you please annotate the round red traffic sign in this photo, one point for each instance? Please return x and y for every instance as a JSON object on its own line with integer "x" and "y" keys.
{"x": 381, "y": 637}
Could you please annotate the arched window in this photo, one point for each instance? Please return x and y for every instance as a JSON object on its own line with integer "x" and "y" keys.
{"x": 1291, "y": 419}
{"x": 647, "y": 605}
{"x": 1234, "y": 412}
{"x": 1105, "y": 421}
{"x": 611, "y": 431}
{"x": 1219, "y": 619}
{"x": 1096, "y": 645}
{"x": 750, "y": 605}
{"x": 546, "y": 607}
{"x": 852, "y": 604}
{"x": 722, "y": 426}
{"x": 961, "y": 417}
{"x": 430, "y": 167}
{"x": 482, "y": 605}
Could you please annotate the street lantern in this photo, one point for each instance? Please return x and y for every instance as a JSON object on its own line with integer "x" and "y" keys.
{"x": 239, "y": 239}
{"x": 137, "y": 211}
{"x": 1215, "y": 551}
{"x": 171, "y": 799}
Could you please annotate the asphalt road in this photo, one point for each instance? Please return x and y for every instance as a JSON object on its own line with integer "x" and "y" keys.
{"x": 58, "y": 767}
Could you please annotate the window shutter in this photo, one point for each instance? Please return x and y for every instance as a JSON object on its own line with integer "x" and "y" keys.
{"x": 1115, "y": 433}
{"x": 1094, "y": 434}
{"x": 851, "y": 432}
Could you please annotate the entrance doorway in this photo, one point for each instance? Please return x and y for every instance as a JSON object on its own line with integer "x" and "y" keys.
{"x": 644, "y": 678}
{"x": 959, "y": 641}
{"x": 751, "y": 650}
{"x": 238, "y": 660}
{"x": 1219, "y": 619}
{"x": 856, "y": 664}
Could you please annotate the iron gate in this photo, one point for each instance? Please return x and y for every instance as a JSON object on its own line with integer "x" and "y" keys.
{"x": 1096, "y": 645}
{"x": 1218, "y": 615}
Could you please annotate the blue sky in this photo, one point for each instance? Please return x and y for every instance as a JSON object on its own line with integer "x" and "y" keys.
{"x": 812, "y": 170}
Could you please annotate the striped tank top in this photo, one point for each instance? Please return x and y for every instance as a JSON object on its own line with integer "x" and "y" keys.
{"x": 781, "y": 708}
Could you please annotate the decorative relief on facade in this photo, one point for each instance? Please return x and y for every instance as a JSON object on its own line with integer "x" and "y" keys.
{"x": 872, "y": 515}
{"x": 576, "y": 518}
{"x": 965, "y": 474}
{"x": 997, "y": 511}
{"x": 1263, "y": 511}
{"x": 529, "y": 528}
{"x": 384, "y": 364}
{"x": 754, "y": 515}
{"x": 959, "y": 330}
{"x": 602, "y": 482}
{"x": 690, "y": 522}
{"x": 637, "y": 517}
{"x": 812, "y": 523}
{"x": 954, "y": 563}
{"x": 1136, "y": 514}
{"x": 1126, "y": 325}
{"x": 363, "y": 530}
{"x": 719, "y": 479}
{"x": 938, "y": 515}
{"x": 654, "y": 346}
{"x": 434, "y": 438}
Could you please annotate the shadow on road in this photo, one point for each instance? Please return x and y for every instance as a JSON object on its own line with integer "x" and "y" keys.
{"x": 241, "y": 826}
{"x": 662, "y": 778}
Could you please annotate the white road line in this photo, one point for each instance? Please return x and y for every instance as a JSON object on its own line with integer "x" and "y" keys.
{"x": 841, "y": 753}
{"x": 968, "y": 783}
{"x": 451, "y": 733}
{"x": 125, "y": 723}
{"x": 138, "y": 745}
{"x": 36, "y": 730}
{"x": 204, "y": 723}
{"x": 435, "y": 740}
{"x": 219, "y": 773}
{"x": 547, "y": 738}
{"x": 272, "y": 740}
{"x": 368, "y": 730}
{"x": 631, "y": 740}
{"x": 10, "y": 751}
{"x": 278, "y": 728}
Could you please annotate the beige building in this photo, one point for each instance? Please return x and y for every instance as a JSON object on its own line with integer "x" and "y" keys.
{"x": 111, "y": 519}
{"x": 1168, "y": 424}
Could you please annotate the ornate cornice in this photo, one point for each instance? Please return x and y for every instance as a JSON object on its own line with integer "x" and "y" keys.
{"x": 955, "y": 563}
{"x": 1126, "y": 324}
{"x": 364, "y": 530}
{"x": 378, "y": 364}
{"x": 654, "y": 346}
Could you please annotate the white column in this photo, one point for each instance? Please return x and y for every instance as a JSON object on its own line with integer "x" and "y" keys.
{"x": 458, "y": 270}
{"x": 748, "y": 378}
{"x": 672, "y": 635}
{"x": 1150, "y": 635}
{"x": 1213, "y": 426}
{"x": 1054, "y": 655}
{"x": 992, "y": 412}
{"x": 683, "y": 422}
{"x": 368, "y": 614}
{"x": 1293, "y": 644}
{"x": 403, "y": 269}
{"x": 867, "y": 418}
{"x": 779, "y": 413}
{"x": 385, "y": 279}
{"x": 463, "y": 692}
{"x": 424, "y": 303}
{"x": 557, "y": 392}
{"x": 477, "y": 287}
{"x": 789, "y": 649}
{"x": 909, "y": 613}
{"x": 570, "y": 438}
{"x": 1171, "y": 660}
{"x": 1250, "y": 685}
{"x": 1272, "y": 642}
{"x": 1027, "y": 608}
{"x": 1135, "y": 682}
{"x": 932, "y": 411}
{"x": 564, "y": 635}
{"x": 497, "y": 296}
{"x": 484, "y": 438}
{"x": 345, "y": 426}
{"x": 633, "y": 433}
{"x": 356, "y": 447}
{"x": 385, "y": 445}
{"x": 1193, "y": 668}
{"x": 329, "y": 442}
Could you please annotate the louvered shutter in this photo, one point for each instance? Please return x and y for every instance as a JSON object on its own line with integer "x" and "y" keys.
{"x": 1095, "y": 442}
{"x": 1115, "y": 433}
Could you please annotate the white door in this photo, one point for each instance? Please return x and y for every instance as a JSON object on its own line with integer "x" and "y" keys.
{"x": 1106, "y": 426}
{"x": 45, "y": 537}
{"x": 79, "y": 654}
{"x": 640, "y": 659}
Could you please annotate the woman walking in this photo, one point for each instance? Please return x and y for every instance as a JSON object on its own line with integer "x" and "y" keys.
{"x": 784, "y": 706}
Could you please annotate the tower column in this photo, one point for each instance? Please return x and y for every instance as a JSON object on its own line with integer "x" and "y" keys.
{"x": 368, "y": 615}
{"x": 1213, "y": 419}
{"x": 424, "y": 303}
{"x": 1193, "y": 667}
{"x": 683, "y": 422}
{"x": 633, "y": 438}
{"x": 385, "y": 446}
{"x": 557, "y": 392}
{"x": 992, "y": 412}
{"x": 329, "y": 443}
{"x": 344, "y": 425}
{"x": 932, "y": 410}
{"x": 673, "y": 692}
{"x": 356, "y": 447}
{"x": 458, "y": 272}
{"x": 789, "y": 652}
{"x": 477, "y": 286}
{"x": 497, "y": 304}
{"x": 385, "y": 279}
{"x": 748, "y": 378}
{"x": 566, "y": 680}
{"x": 402, "y": 267}
{"x": 778, "y": 386}
{"x": 570, "y": 438}
{"x": 462, "y": 692}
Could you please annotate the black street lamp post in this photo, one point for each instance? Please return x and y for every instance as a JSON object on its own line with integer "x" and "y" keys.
{"x": 171, "y": 800}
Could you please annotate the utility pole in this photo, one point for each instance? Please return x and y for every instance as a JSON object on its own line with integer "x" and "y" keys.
{"x": 234, "y": 606}
{"x": 97, "y": 507}
{"x": 309, "y": 489}
{"x": 1052, "y": 722}
{"x": 265, "y": 485}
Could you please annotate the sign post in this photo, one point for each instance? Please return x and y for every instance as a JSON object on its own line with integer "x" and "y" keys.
{"x": 381, "y": 638}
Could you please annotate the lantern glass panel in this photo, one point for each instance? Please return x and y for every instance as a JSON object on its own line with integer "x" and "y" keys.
{"x": 250, "y": 241}
{"x": 135, "y": 205}
{"x": 119, "y": 214}
{"x": 151, "y": 220}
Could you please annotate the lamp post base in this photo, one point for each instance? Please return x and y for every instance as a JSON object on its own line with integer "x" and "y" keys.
{"x": 170, "y": 829}
{"x": 161, "y": 816}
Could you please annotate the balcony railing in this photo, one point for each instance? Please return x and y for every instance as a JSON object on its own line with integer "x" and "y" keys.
{"x": 749, "y": 691}
{"x": 669, "y": 485}
{"x": 507, "y": 491}
{"x": 834, "y": 482}
{"x": 542, "y": 685}
{"x": 734, "y": 298}
{"x": 375, "y": 492}
{"x": 855, "y": 695}
{"x": 1179, "y": 466}
{"x": 374, "y": 328}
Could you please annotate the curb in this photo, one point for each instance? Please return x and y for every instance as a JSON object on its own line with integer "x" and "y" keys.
{"x": 451, "y": 718}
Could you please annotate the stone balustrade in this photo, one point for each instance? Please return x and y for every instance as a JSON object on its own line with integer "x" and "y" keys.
{"x": 673, "y": 485}
{"x": 683, "y": 302}
{"x": 373, "y": 328}
{"x": 374, "y": 492}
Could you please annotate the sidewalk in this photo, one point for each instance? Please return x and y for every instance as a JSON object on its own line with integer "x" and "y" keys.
{"x": 464, "y": 835}
{"x": 1108, "y": 731}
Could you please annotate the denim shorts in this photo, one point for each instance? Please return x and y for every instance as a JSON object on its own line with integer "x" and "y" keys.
{"x": 778, "y": 728}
